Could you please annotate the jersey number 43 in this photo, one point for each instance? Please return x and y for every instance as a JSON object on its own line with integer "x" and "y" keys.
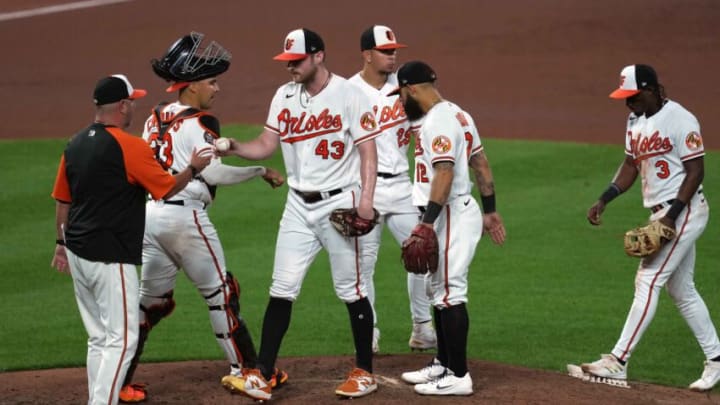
{"x": 327, "y": 149}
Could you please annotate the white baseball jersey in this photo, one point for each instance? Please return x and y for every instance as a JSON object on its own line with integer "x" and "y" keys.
{"x": 660, "y": 144}
{"x": 174, "y": 150}
{"x": 447, "y": 134}
{"x": 394, "y": 139}
{"x": 182, "y": 236}
{"x": 318, "y": 134}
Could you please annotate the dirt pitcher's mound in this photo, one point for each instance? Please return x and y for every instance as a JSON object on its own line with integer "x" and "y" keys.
{"x": 313, "y": 381}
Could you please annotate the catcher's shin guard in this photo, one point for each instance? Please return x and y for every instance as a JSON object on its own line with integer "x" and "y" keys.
{"x": 230, "y": 329}
{"x": 142, "y": 337}
{"x": 152, "y": 310}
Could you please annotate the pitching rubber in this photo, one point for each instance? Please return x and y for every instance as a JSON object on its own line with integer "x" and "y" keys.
{"x": 577, "y": 372}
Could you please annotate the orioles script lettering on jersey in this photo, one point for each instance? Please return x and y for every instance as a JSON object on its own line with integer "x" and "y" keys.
{"x": 655, "y": 144}
{"x": 315, "y": 125}
{"x": 394, "y": 114}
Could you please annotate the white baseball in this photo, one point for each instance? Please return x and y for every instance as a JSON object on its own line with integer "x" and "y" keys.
{"x": 222, "y": 144}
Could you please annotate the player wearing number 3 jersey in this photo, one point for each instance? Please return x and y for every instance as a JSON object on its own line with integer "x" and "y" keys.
{"x": 326, "y": 130}
{"x": 664, "y": 147}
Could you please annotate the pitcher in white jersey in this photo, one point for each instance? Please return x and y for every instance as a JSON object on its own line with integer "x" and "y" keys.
{"x": 178, "y": 231}
{"x": 446, "y": 144}
{"x": 393, "y": 191}
{"x": 664, "y": 147}
{"x": 326, "y": 130}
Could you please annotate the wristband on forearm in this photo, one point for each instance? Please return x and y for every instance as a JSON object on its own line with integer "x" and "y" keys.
{"x": 488, "y": 203}
{"x": 432, "y": 211}
{"x": 193, "y": 171}
{"x": 612, "y": 191}
{"x": 675, "y": 209}
{"x": 60, "y": 242}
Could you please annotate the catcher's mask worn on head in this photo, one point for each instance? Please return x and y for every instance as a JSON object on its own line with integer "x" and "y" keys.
{"x": 188, "y": 61}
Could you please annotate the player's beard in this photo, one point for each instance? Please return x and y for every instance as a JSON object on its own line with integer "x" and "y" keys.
{"x": 307, "y": 77}
{"x": 412, "y": 109}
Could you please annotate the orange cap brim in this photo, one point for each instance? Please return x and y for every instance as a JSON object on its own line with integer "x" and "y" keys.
{"x": 622, "y": 94}
{"x": 287, "y": 57}
{"x": 391, "y": 46}
{"x": 177, "y": 86}
{"x": 138, "y": 93}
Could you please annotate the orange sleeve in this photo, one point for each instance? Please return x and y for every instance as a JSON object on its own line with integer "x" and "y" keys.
{"x": 141, "y": 166}
{"x": 61, "y": 190}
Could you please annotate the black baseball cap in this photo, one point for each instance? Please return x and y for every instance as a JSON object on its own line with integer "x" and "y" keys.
{"x": 114, "y": 88}
{"x": 413, "y": 73}
{"x": 634, "y": 78}
{"x": 299, "y": 44}
{"x": 379, "y": 37}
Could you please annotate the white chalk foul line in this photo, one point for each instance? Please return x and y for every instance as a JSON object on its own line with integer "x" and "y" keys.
{"x": 14, "y": 15}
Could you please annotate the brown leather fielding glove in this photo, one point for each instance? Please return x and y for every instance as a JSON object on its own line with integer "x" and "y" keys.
{"x": 647, "y": 240}
{"x": 349, "y": 223}
{"x": 420, "y": 251}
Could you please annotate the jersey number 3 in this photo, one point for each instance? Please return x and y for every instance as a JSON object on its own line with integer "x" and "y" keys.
{"x": 663, "y": 169}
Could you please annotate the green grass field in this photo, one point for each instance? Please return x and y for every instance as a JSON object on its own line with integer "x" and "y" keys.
{"x": 557, "y": 292}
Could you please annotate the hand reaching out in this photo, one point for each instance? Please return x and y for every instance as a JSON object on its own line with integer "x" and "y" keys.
{"x": 273, "y": 177}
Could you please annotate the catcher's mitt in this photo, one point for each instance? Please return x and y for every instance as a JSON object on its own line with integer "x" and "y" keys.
{"x": 646, "y": 240}
{"x": 420, "y": 251}
{"x": 349, "y": 223}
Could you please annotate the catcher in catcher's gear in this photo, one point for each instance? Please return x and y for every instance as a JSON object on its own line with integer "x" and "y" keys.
{"x": 179, "y": 233}
{"x": 663, "y": 145}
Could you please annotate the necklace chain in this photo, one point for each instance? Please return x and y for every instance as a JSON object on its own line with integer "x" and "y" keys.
{"x": 304, "y": 91}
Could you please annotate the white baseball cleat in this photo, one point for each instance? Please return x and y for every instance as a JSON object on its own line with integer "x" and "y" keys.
{"x": 427, "y": 374}
{"x": 710, "y": 377}
{"x": 607, "y": 367}
{"x": 577, "y": 372}
{"x": 608, "y": 370}
{"x": 447, "y": 384}
{"x": 423, "y": 337}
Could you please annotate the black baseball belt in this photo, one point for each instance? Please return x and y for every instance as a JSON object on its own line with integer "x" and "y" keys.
{"x": 659, "y": 207}
{"x": 311, "y": 197}
{"x": 188, "y": 203}
{"x": 387, "y": 175}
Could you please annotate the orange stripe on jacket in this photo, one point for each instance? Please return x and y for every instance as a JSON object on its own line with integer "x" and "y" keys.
{"x": 140, "y": 164}
{"x": 61, "y": 190}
